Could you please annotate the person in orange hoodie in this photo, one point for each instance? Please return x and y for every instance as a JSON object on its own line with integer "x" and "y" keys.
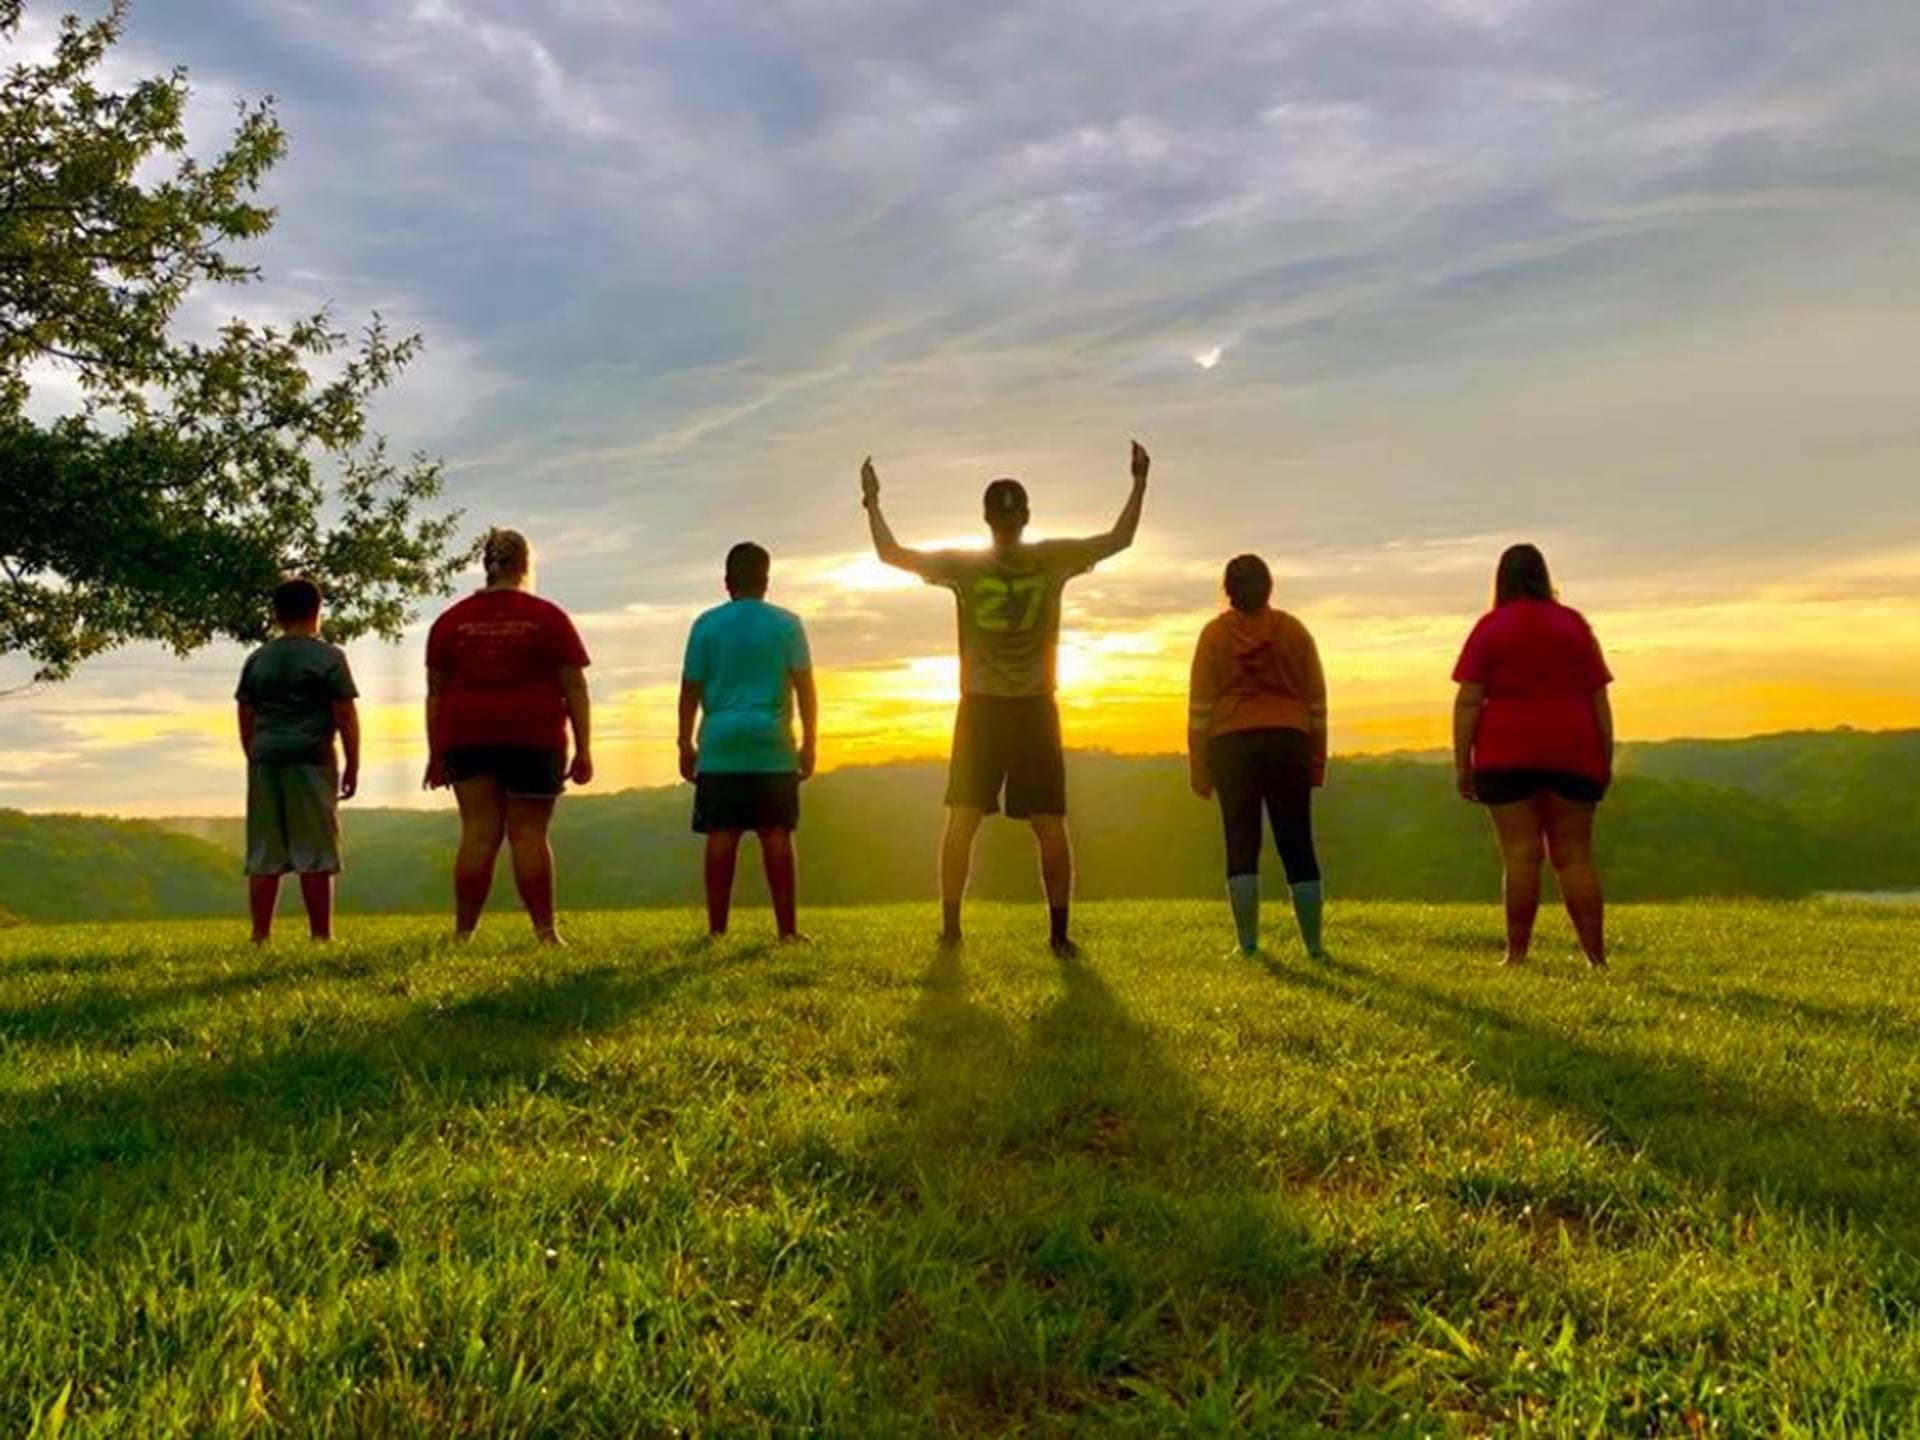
{"x": 1257, "y": 738}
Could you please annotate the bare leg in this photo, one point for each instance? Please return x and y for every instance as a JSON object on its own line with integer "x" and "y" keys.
{"x": 783, "y": 880}
{"x": 1056, "y": 874}
{"x": 527, "y": 822}
{"x": 1518, "y": 827}
{"x": 723, "y": 855}
{"x": 483, "y": 825}
{"x": 1570, "y": 843}
{"x": 263, "y": 895}
{"x": 317, "y": 892}
{"x": 956, "y": 862}
{"x": 1056, "y": 858}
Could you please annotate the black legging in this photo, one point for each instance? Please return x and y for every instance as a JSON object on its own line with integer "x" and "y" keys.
{"x": 1271, "y": 770}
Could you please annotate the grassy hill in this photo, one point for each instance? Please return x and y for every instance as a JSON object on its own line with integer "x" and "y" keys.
{"x": 73, "y": 867}
{"x": 1855, "y": 794}
{"x": 643, "y": 1187}
{"x": 1782, "y": 816}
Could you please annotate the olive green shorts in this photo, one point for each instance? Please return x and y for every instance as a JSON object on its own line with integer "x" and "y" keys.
{"x": 293, "y": 819}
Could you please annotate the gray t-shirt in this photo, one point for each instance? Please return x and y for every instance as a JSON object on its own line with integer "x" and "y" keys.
{"x": 293, "y": 683}
{"x": 1009, "y": 602}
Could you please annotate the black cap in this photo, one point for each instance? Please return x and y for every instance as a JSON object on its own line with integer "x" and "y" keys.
{"x": 1006, "y": 497}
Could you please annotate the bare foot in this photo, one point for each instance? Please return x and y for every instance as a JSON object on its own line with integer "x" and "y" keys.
{"x": 798, "y": 937}
{"x": 1514, "y": 961}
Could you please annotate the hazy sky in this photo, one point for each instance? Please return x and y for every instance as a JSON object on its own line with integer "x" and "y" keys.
{"x": 1383, "y": 286}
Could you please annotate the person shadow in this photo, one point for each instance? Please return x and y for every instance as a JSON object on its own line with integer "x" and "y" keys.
{"x": 116, "y": 1013}
{"x": 84, "y": 1161}
{"x": 1737, "y": 1139}
{"x": 1065, "y": 1213}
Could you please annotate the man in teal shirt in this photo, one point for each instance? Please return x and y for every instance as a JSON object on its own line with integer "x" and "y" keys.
{"x": 747, "y": 670}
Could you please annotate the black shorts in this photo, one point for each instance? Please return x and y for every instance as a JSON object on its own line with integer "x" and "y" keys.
{"x": 1510, "y": 787}
{"x": 735, "y": 801}
{"x": 523, "y": 770}
{"x": 1010, "y": 741}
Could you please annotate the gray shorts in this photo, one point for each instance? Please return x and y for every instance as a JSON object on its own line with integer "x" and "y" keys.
{"x": 293, "y": 819}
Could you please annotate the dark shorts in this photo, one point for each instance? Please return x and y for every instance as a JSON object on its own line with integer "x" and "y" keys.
{"x": 726, "y": 802}
{"x": 1510, "y": 787}
{"x": 523, "y": 770}
{"x": 1010, "y": 742}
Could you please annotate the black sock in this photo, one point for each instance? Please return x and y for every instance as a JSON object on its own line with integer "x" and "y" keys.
{"x": 950, "y": 917}
{"x": 1057, "y": 922}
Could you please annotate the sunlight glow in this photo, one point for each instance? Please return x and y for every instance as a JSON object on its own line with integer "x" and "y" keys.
{"x": 1840, "y": 646}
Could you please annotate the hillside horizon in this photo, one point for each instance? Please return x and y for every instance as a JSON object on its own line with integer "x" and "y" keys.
{"x": 1783, "y": 816}
{"x": 1423, "y": 755}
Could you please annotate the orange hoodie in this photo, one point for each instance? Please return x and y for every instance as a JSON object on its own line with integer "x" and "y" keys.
{"x": 1255, "y": 672}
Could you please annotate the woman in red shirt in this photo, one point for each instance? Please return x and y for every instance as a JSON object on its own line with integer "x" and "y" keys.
{"x": 505, "y": 681}
{"x": 1533, "y": 742}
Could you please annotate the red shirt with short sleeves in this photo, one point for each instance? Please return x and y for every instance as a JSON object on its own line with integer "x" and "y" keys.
{"x": 501, "y": 653}
{"x": 1541, "y": 665}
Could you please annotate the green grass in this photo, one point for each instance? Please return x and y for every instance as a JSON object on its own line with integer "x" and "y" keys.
{"x": 641, "y": 1188}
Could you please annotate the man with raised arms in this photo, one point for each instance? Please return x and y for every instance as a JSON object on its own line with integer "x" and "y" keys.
{"x": 1007, "y": 733}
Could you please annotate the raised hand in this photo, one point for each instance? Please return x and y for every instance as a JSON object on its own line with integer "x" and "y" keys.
{"x": 869, "y": 483}
{"x": 1142, "y": 462}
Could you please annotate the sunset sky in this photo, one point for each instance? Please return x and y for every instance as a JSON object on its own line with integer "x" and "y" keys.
{"x": 1383, "y": 286}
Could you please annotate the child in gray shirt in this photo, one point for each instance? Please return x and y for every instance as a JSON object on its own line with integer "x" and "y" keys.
{"x": 295, "y": 695}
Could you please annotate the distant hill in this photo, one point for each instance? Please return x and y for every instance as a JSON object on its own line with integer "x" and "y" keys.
{"x": 74, "y": 867}
{"x": 1778, "y": 815}
{"x": 1855, "y": 794}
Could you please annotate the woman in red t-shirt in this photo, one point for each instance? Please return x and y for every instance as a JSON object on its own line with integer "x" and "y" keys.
{"x": 1533, "y": 742}
{"x": 505, "y": 681}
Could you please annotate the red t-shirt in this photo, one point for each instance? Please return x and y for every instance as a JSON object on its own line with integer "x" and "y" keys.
{"x": 501, "y": 653}
{"x": 1541, "y": 666}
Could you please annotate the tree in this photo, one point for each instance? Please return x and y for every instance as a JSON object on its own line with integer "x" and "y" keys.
{"x": 192, "y": 473}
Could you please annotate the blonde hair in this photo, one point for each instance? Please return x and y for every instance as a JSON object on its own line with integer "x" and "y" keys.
{"x": 504, "y": 554}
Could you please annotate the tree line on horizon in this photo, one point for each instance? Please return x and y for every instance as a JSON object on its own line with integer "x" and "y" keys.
{"x": 1774, "y": 817}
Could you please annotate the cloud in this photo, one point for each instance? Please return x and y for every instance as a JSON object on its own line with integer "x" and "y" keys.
{"x": 1382, "y": 285}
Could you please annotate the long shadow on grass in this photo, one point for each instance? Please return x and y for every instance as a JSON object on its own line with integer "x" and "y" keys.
{"x": 77, "y": 1160}
{"x": 115, "y": 1012}
{"x": 1688, "y": 1117}
{"x": 1867, "y": 1022}
{"x": 1070, "y": 1227}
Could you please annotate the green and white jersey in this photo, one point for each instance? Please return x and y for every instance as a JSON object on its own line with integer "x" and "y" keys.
{"x": 1009, "y": 610}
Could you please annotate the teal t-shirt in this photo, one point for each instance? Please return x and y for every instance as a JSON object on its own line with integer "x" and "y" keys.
{"x": 743, "y": 655}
